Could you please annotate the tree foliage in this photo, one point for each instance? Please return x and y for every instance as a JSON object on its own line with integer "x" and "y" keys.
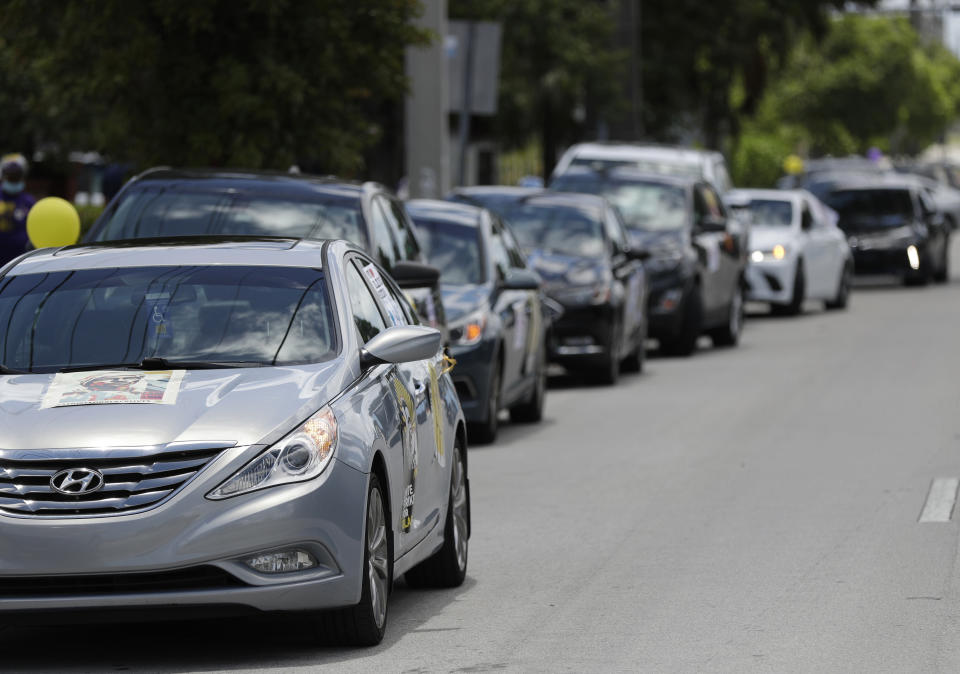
{"x": 559, "y": 67}
{"x": 255, "y": 83}
{"x": 870, "y": 82}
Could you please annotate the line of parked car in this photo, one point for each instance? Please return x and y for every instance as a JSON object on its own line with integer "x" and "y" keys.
{"x": 310, "y": 357}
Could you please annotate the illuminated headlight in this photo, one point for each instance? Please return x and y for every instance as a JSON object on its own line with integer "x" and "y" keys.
{"x": 284, "y": 561}
{"x": 913, "y": 257}
{"x": 300, "y": 456}
{"x": 778, "y": 252}
{"x": 469, "y": 330}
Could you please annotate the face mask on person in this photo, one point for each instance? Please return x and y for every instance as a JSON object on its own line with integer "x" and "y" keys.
{"x": 11, "y": 187}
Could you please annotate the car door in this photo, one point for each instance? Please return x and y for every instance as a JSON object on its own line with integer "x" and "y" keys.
{"x": 628, "y": 274}
{"x": 715, "y": 253}
{"x": 512, "y": 308}
{"x": 408, "y": 386}
{"x": 820, "y": 252}
{"x": 532, "y": 337}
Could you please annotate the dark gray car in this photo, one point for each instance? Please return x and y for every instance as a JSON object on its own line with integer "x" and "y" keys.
{"x": 257, "y": 425}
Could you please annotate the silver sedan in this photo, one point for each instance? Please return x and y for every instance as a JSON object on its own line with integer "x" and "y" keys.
{"x": 223, "y": 425}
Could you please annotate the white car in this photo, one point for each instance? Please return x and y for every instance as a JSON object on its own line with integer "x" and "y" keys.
{"x": 658, "y": 159}
{"x": 797, "y": 252}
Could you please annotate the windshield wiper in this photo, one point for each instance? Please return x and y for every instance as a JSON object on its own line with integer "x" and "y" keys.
{"x": 156, "y": 363}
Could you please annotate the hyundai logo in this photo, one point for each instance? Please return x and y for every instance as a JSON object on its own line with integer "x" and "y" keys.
{"x": 77, "y": 481}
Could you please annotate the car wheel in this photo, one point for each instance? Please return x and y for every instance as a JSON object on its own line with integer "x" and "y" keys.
{"x": 729, "y": 334}
{"x": 448, "y": 566}
{"x": 531, "y": 410}
{"x": 795, "y": 306}
{"x": 365, "y": 623}
{"x": 685, "y": 343}
{"x": 942, "y": 274}
{"x": 485, "y": 432}
{"x": 842, "y": 298}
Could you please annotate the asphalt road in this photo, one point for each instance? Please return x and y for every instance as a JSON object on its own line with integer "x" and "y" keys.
{"x": 754, "y": 509}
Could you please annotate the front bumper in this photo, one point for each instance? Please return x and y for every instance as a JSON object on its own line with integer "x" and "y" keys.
{"x": 190, "y": 549}
{"x": 582, "y": 334}
{"x": 884, "y": 261}
{"x": 771, "y": 281}
{"x": 471, "y": 377}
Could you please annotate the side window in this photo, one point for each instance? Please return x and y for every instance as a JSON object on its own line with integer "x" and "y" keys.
{"x": 384, "y": 246}
{"x": 498, "y": 250}
{"x": 515, "y": 255}
{"x": 409, "y": 248}
{"x": 708, "y": 203}
{"x": 615, "y": 230}
{"x": 366, "y": 314}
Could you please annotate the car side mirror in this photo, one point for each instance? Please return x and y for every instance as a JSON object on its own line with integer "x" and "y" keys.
{"x": 409, "y": 275}
{"x": 712, "y": 223}
{"x": 400, "y": 344}
{"x": 521, "y": 279}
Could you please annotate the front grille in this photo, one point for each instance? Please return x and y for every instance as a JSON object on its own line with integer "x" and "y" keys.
{"x": 130, "y": 482}
{"x": 194, "y": 578}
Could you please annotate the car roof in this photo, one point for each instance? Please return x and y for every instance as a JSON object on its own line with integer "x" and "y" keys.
{"x": 628, "y": 151}
{"x": 632, "y": 173}
{"x": 186, "y": 251}
{"x": 578, "y": 200}
{"x": 448, "y": 211}
{"x": 255, "y": 181}
{"x": 489, "y": 190}
{"x": 741, "y": 195}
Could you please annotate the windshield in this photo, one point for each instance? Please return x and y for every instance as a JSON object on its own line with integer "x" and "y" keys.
{"x": 255, "y": 315}
{"x": 559, "y": 229}
{"x": 152, "y": 212}
{"x": 644, "y": 205}
{"x": 766, "y": 212}
{"x": 872, "y": 207}
{"x": 453, "y": 249}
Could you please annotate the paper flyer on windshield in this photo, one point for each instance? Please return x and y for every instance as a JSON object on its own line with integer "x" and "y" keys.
{"x": 110, "y": 387}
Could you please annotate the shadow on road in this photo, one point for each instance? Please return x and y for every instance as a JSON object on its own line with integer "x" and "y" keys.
{"x": 270, "y": 642}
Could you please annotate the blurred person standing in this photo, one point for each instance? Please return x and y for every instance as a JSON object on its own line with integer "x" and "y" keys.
{"x": 15, "y": 203}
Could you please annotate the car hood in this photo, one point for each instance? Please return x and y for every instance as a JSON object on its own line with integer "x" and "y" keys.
{"x": 458, "y": 301}
{"x": 765, "y": 238}
{"x": 242, "y": 406}
{"x": 658, "y": 243}
{"x": 888, "y": 237}
{"x": 559, "y": 270}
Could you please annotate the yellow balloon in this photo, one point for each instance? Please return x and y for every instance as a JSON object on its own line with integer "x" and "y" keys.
{"x": 793, "y": 164}
{"x": 53, "y": 222}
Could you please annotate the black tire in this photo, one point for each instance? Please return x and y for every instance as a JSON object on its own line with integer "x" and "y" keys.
{"x": 729, "y": 333}
{"x": 530, "y": 411}
{"x": 795, "y": 306}
{"x": 364, "y": 624}
{"x": 842, "y": 298}
{"x": 942, "y": 275}
{"x": 685, "y": 343}
{"x": 485, "y": 432}
{"x": 447, "y": 567}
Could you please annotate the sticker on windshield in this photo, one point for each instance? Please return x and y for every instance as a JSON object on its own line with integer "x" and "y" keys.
{"x": 109, "y": 387}
{"x": 394, "y": 312}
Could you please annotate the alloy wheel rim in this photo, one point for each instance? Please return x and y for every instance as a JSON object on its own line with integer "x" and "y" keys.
{"x": 459, "y": 499}
{"x": 378, "y": 566}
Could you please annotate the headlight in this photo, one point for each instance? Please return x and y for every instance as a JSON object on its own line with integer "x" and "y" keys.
{"x": 469, "y": 330}
{"x": 300, "y": 456}
{"x": 778, "y": 252}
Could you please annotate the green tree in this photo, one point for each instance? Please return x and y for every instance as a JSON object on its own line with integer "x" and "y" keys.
{"x": 559, "y": 68}
{"x": 256, "y": 83}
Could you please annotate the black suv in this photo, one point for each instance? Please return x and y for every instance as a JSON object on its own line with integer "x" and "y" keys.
{"x": 697, "y": 251}
{"x": 175, "y": 203}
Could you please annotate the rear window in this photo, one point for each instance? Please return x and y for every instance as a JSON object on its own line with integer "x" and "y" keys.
{"x": 152, "y": 212}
